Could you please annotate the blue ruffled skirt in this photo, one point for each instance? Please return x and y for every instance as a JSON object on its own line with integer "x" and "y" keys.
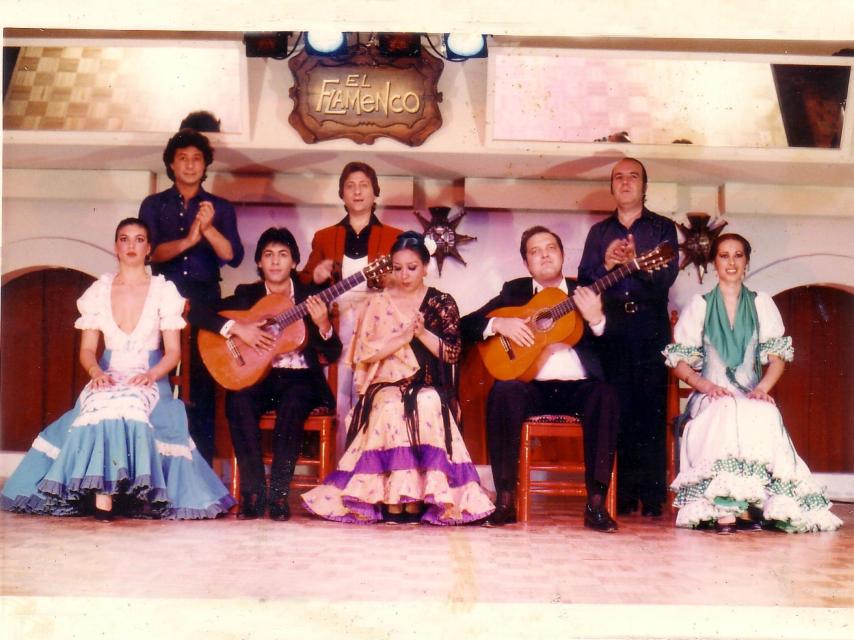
{"x": 147, "y": 461}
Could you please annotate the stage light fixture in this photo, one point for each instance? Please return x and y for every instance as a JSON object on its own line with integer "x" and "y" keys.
{"x": 462, "y": 46}
{"x": 399, "y": 45}
{"x": 325, "y": 43}
{"x": 267, "y": 45}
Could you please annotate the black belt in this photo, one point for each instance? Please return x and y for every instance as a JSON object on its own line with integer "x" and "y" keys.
{"x": 630, "y": 307}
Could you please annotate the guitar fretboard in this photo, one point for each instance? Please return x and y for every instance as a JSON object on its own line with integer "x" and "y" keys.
{"x": 605, "y": 282}
{"x": 297, "y": 312}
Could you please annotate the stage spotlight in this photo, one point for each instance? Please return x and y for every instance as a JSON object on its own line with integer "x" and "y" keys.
{"x": 325, "y": 43}
{"x": 462, "y": 46}
{"x": 399, "y": 45}
{"x": 267, "y": 45}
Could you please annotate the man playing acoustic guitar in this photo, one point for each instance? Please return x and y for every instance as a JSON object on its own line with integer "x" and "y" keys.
{"x": 566, "y": 380}
{"x": 295, "y": 385}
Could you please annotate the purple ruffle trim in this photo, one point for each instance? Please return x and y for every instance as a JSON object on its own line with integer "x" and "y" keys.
{"x": 361, "y": 512}
{"x": 421, "y": 458}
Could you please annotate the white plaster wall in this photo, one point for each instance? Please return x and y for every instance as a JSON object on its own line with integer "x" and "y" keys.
{"x": 787, "y": 252}
{"x": 66, "y": 218}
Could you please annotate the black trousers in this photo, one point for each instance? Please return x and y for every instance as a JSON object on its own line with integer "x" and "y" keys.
{"x": 634, "y": 365}
{"x": 201, "y": 408}
{"x": 202, "y": 405}
{"x": 510, "y": 402}
{"x": 292, "y": 393}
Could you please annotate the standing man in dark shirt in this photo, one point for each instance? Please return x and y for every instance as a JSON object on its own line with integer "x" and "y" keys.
{"x": 193, "y": 233}
{"x": 638, "y": 330}
{"x": 341, "y": 250}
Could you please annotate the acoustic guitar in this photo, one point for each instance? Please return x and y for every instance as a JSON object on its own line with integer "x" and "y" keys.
{"x": 552, "y": 317}
{"x": 236, "y": 365}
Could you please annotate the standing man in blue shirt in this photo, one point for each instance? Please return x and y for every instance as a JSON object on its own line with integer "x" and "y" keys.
{"x": 639, "y": 329}
{"x": 193, "y": 233}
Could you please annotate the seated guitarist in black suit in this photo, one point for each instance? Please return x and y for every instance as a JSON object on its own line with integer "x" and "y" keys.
{"x": 569, "y": 380}
{"x": 294, "y": 386}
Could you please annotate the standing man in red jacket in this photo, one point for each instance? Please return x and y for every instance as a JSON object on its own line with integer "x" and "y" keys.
{"x": 339, "y": 251}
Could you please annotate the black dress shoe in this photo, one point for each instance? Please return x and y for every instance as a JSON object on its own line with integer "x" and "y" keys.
{"x": 743, "y": 524}
{"x": 725, "y": 528}
{"x": 102, "y": 515}
{"x": 626, "y": 507}
{"x": 279, "y": 510}
{"x": 652, "y": 510}
{"x": 597, "y": 518}
{"x": 394, "y": 517}
{"x": 503, "y": 514}
{"x": 251, "y": 507}
{"x": 505, "y": 510}
{"x": 414, "y": 517}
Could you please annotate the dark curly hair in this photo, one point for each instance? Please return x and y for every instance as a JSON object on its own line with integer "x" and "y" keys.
{"x": 201, "y": 121}
{"x": 187, "y": 138}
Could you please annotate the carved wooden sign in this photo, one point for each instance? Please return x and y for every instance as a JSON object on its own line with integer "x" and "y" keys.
{"x": 366, "y": 96}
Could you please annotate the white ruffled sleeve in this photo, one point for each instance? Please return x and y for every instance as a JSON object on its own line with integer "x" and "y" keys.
{"x": 771, "y": 329}
{"x": 171, "y": 307}
{"x": 687, "y": 342}
{"x": 91, "y": 306}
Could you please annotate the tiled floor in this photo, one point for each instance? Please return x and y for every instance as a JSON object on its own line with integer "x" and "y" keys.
{"x": 551, "y": 575}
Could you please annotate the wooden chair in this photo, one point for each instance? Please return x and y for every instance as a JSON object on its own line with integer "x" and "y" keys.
{"x": 555, "y": 426}
{"x": 179, "y": 377}
{"x": 322, "y": 422}
{"x": 676, "y": 393}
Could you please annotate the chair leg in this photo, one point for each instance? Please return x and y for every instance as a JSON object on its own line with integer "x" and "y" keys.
{"x": 611, "y": 497}
{"x": 235, "y": 477}
{"x": 325, "y": 454}
{"x": 524, "y": 483}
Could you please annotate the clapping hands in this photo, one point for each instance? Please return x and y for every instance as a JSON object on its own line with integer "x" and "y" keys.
{"x": 620, "y": 251}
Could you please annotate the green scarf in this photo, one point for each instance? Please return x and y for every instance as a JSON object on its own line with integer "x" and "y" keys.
{"x": 731, "y": 342}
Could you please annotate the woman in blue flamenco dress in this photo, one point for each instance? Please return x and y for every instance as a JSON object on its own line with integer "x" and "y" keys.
{"x": 406, "y": 461}
{"x": 125, "y": 444}
{"x": 738, "y": 467}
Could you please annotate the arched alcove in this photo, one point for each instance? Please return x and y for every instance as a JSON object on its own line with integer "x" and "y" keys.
{"x": 803, "y": 271}
{"x": 33, "y": 254}
{"x": 814, "y": 394}
{"x": 40, "y": 377}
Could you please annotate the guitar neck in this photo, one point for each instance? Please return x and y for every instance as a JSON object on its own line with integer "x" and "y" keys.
{"x": 299, "y": 311}
{"x": 605, "y": 282}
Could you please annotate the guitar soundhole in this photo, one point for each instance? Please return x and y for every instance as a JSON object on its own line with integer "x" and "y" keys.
{"x": 543, "y": 320}
{"x": 272, "y": 327}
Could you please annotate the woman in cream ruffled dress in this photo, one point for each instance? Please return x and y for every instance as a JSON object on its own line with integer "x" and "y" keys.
{"x": 405, "y": 459}
{"x": 738, "y": 466}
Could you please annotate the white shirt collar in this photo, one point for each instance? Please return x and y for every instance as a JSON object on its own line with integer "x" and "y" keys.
{"x": 267, "y": 289}
{"x": 562, "y": 286}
